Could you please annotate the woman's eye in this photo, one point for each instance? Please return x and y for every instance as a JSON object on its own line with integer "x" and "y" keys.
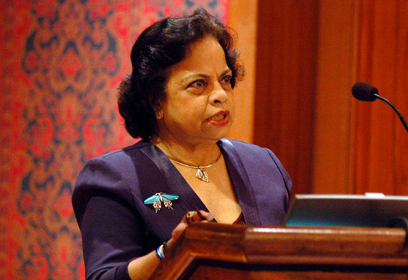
{"x": 227, "y": 79}
{"x": 198, "y": 83}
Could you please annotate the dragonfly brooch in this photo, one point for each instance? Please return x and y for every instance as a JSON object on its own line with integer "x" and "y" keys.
{"x": 158, "y": 198}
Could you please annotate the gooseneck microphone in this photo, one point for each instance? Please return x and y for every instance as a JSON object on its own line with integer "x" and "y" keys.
{"x": 366, "y": 92}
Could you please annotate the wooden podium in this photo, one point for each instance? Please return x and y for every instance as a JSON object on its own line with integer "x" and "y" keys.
{"x": 216, "y": 251}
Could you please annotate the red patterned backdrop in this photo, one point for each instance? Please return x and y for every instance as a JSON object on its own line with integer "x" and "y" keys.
{"x": 61, "y": 62}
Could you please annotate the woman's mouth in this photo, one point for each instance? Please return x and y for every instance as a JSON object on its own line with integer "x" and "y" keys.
{"x": 220, "y": 119}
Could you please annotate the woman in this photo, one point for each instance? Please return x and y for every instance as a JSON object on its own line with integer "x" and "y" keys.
{"x": 179, "y": 100}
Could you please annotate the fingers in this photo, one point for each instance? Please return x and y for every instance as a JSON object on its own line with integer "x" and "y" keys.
{"x": 207, "y": 216}
{"x": 191, "y": 217}
{"x": 197, "y": 216}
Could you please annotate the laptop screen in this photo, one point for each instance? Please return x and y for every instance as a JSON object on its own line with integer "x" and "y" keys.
{"x": 370, "y": 210}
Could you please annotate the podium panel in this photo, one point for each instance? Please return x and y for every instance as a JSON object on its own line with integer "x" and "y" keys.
{"x": 216, "y": 251}
{"x": 315, "y": 275}
{"x": 243, "y": 272}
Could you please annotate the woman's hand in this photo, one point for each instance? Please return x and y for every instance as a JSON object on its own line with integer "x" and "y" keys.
{"x": 143, "y": 267}
{"x": 191, "y": 217}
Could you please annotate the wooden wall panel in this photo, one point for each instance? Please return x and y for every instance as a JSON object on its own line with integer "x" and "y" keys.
{"x": 309, "y": 54}
{"x": 401, "y": 100}
{"x": 331, "y": 156}
{"x": 380, "y": 142}
{"x": 242, "y": 17}
{"x": 285, "y": 84}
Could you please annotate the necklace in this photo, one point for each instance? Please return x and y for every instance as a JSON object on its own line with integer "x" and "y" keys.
{"x": 201, "y": 173}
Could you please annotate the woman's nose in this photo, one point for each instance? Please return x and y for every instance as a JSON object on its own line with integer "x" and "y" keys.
{"x": 218, "y": 95}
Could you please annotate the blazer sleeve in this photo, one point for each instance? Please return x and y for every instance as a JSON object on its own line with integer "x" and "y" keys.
{"x": 112, "y": 231}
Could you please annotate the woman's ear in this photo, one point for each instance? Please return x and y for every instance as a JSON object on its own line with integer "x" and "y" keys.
{"x": 159, "y": 114}
{"x": 158, "y": 111}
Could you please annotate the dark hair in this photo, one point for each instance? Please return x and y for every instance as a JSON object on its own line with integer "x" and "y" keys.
{"x": 159, "y": 47}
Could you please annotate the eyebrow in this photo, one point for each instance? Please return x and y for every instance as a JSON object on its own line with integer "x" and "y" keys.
{"x": 195, "y": 75}
{"x": 227, "y": 71}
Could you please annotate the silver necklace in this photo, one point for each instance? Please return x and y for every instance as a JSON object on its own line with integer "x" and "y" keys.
{"x": 201, "y": 173}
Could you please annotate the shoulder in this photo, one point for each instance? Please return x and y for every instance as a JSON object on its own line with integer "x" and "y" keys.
{"x": 121, "y": 155}
{"x": 238, "y": 144}
{"x": 109, "y": 166}
{"x": 108, "y": 175}
{"x": 246, "y": 150}
{"x": 256, "y": 160}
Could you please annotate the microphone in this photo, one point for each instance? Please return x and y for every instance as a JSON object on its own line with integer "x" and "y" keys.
{"x": 366, "y": 92}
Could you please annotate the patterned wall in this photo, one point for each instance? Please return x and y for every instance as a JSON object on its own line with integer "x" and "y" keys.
{"x": 60, "y": 64}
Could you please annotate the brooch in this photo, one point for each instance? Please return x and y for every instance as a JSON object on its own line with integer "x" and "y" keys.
{"x": 158, "y": 198}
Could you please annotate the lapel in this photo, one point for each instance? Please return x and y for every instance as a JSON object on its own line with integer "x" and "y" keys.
{"x": 174, "y": 183}
{"x": 242, "y": 184}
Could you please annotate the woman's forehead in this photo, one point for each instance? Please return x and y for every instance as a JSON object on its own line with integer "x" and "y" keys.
{"x": 204, "y": 57}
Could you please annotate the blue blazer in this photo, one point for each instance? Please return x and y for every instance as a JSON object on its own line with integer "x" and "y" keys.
{"x": 117, "y": 226}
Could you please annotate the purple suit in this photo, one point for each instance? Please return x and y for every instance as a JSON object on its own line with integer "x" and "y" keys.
{"x": 117, "y": 226}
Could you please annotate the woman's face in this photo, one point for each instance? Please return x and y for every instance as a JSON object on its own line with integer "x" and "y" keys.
{"x": 199, "y": 105}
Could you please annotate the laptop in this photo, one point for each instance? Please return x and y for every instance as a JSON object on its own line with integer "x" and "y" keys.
{"x": 369, "y": 210}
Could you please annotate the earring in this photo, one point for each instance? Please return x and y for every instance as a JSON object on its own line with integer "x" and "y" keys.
{"x": 159, "y": 115}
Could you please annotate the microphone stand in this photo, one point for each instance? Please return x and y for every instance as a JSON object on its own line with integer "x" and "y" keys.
{"x": 393, "y": 107}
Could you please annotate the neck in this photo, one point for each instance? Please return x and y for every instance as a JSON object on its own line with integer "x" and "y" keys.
{"x": 192, "y": 154}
